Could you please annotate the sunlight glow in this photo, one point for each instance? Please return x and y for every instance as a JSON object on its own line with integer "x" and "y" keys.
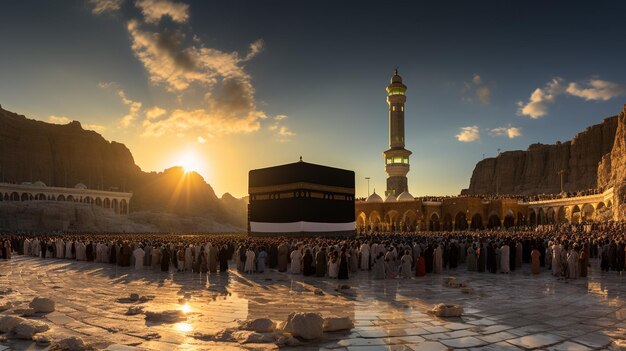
{"x": 183, "y": 327}
{"x": 185, "y": 308}
{"x": 190, "y": 162}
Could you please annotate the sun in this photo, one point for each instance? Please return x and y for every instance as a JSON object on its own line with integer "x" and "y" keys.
{"x": 190, "y": 162}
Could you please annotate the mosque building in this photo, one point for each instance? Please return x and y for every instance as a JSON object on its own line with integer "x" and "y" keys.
{"x": 401, "y": 211}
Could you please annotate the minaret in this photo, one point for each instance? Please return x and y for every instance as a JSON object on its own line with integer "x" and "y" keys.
{"x": 397, "y": 157}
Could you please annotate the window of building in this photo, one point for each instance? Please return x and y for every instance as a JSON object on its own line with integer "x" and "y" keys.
{"x": 397, "y": 160}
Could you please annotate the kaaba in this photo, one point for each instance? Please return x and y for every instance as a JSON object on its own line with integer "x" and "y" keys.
{"x": 301, "y": 199}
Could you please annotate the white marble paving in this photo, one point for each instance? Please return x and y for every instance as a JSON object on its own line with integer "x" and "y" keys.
{"x": 512, "y": 312}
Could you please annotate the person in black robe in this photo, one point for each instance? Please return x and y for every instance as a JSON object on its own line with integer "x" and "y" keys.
{"x": 491, "y": 260}
{"x": 113, "y": 254}
{"x": 453, "y": 255}
{"x": 165, "y": 260}
{"x": 89, "y": 251}
{"x": 481, "y": 258}
{"x": 541, "y": 248}
{"x": 428, "y": 256}
{"x": 344, "y": 265}
{"x": 223, "y": 258}
{"x": 320, "y": 263}
{"x": 273, "y": 256}
{"x": 308, "y": 268}
{"x": 174, "y": 258}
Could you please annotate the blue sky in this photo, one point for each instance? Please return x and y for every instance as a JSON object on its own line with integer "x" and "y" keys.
{"x": 228, "y": 86}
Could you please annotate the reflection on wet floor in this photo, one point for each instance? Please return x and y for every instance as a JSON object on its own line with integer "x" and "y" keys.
{"x": 505, "y": 311}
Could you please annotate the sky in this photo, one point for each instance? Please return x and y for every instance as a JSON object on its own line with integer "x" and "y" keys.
{"x": 224, "y": 87}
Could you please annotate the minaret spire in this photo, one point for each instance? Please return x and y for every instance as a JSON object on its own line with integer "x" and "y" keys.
{"x": 397, "y": 157}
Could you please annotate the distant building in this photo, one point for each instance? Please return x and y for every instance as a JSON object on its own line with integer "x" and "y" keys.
{"x": 301, "y": 199}
{"x": 118, "y": 202}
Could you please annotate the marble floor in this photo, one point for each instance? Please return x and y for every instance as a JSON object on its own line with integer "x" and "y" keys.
{"x": 505, "y": 312}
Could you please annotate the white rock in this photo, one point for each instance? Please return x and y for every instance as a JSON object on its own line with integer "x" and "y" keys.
{"x": 72, "y": 343}
{"x": 42, "y": 304}
{"x": 8, "y": 323}
{"x": 250, "y": 337}
{"x": 170, "y": 316}
{"x": 307, "y": 325}
{"x": 28, "y": 328}
{"x": 337, "y": 323}
{"x": 41, "y": 340}
{"x": 260, "y": 325}
{"x": 443, "y": 310}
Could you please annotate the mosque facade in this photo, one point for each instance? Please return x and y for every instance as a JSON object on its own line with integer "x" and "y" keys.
{"x": 399, "y": 211}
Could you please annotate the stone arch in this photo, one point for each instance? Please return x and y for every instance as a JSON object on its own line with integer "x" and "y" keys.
{"x": 374, "y": 221}
{"x": 460, "y": 221}
{"x": 541, "y": 216}
{"x": 433, "y": 222}
{"x": 521, "y": 220}
{"x": 609, "y": 204}
{"x": 409, "y": 220}
{"x": 391, "y": 220}
{"x": 533, "y": 217}
{"x": 361, "y": 220}
{"x": 561, "y": 216}
{"x": 115, "y": 204}
{"x": 587, "y": 212}
{"x": 61, "y": 197}
{"x": 98, "y": 202}
{"x": 494, "y": 221}
{"x": 25, "y": 197}
{"x": 106, "y": 203}
{"x": 447, "y": 222}
{"x": 15, "y": 196}
{"x": 70, "y": 198}
{"x": 550, "y": 216}
{"x": 124, "y": 207}
{"x": 40, "y": 196}
{"x": 477, "y": 221}
{"x": 509, "y": 219}
{"x": 600, "y": 205}
{"x": 575, "y": 215}
{"x": 7, "y": 197}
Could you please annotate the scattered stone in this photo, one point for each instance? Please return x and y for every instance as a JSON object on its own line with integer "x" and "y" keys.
{"x": 286, "y": 340}
{"x": 28, "y": 328}
{"x": 169, "y": 316}
{"x": 146, "y": 298}
{"x": 72, "y": 343}
{"x": 250, "y": 337}
{"x": 112, "y": 330}
{"x": 134, "y": 310}
{"x": 443, "y": 310}
{"x": 344, "y": 287}
{"x": 5, "y": 291}
{"x": 41, "y": 340}
{"x": 260, "y": 325}
{"x": 42, "y": 304}
{"x": 24, "y": 312}
{"x": 8, "y": 323}
{"x": 307, "y": 325}
{"x": 187, "y": 296}
{"x": 337, "y": 323}
{"x": 451, "y": 282}
{"x": 134, "y": 297}
{"x": 318, "y": 292}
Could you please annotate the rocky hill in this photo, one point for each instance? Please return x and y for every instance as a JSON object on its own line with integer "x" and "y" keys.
{"x": 536, "y": 170}
{"x": 64, "y": 155}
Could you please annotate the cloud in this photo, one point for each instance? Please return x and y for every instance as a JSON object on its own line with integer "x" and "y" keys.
{"x": 102, "y": 6}
{"x": 154, "y": 10}
{"x": 155, "y": 112}
{"x": 510, "y": 132}
{"x": 537, "y": 105}
{"x": 59, "y": 119}
{"x": 134, "y": 108}
{"x": 590, "y": 90}
{"x": 477, "y": 90}
{"x": 279, "y": 117}
{"x": 255, "y": 49}
{"x": 596, "y": 89}
{"x": 184, "y": 66}
{"x": 468, "y": 134}
{"x": 201, "y": 140}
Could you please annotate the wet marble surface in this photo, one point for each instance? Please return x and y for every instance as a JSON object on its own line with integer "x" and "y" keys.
{"x": 507, "y": 312}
